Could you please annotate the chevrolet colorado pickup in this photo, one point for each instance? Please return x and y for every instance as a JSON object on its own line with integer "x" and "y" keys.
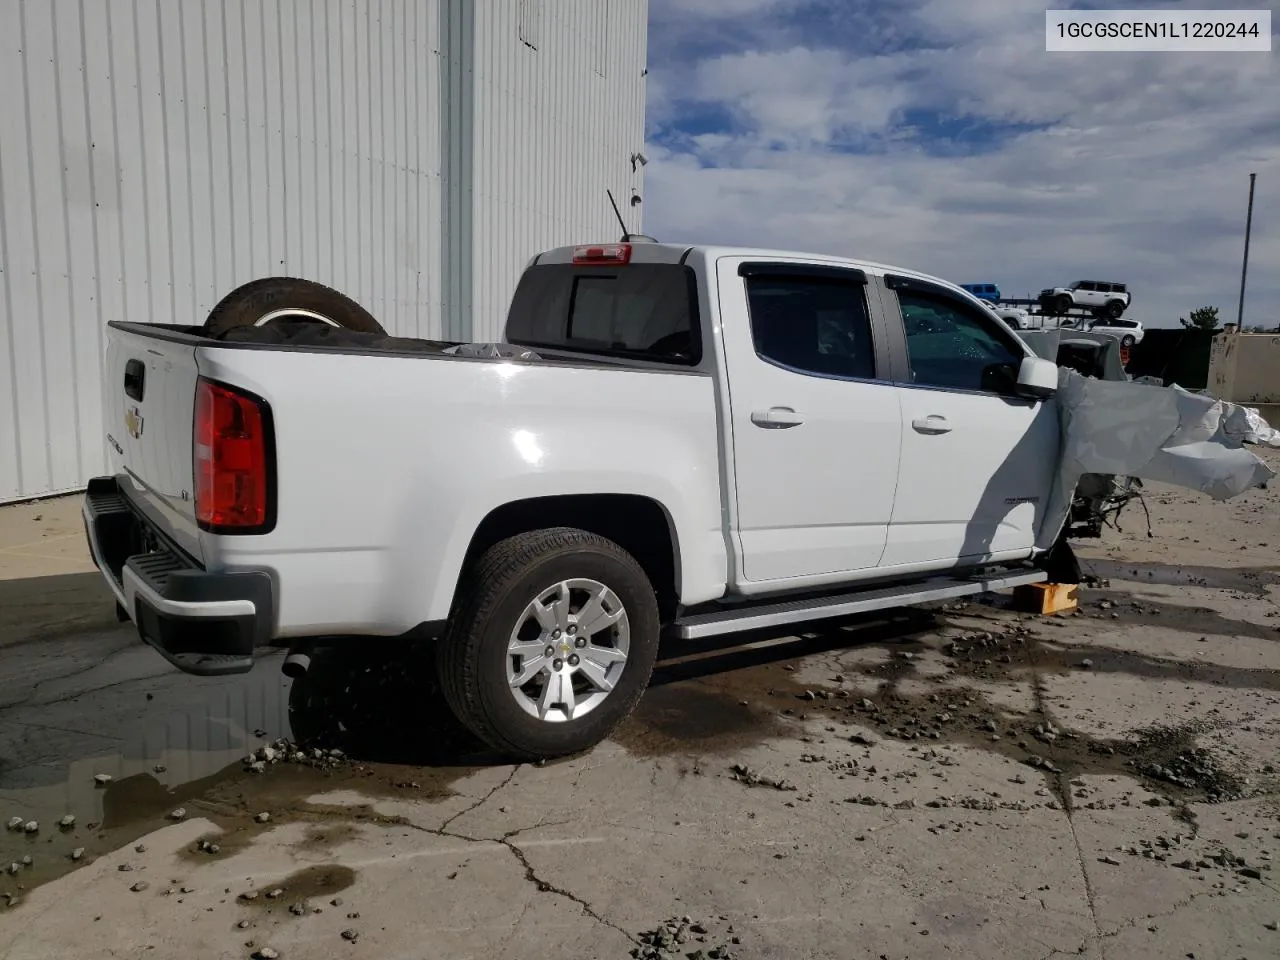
{"x": 689, "y": 441}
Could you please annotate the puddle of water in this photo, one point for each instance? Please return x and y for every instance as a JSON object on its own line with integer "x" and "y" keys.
{"x": 39, "y": 609}
{"x": 701, "y": 706}
{"x": 372, "y": 708}
{"x": 714, "y": 699}
{"x": 1243, "y": 579}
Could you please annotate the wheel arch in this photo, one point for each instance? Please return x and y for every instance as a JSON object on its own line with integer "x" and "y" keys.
{"x": 639, "y": 524}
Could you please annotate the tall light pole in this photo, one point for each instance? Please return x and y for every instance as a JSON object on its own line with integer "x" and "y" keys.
{"x": 1244, "y": 269}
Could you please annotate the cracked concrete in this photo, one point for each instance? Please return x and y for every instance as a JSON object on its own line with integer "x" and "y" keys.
{"x": 917, "y": 827}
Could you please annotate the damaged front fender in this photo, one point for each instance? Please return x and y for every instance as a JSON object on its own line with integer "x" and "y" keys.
{"x": 1126, "y": 429}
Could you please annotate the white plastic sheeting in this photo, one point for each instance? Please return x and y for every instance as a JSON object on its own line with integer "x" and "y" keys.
{"x": 1153, "y": 433}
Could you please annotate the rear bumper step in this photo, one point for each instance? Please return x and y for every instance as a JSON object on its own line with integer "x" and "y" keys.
{"x": 768, "y": 616}
{"x": 203, "y": 623}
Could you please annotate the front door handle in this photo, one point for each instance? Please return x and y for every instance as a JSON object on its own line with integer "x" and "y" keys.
{"x": 776, "y": 418}
{"x": 932, "y": 424}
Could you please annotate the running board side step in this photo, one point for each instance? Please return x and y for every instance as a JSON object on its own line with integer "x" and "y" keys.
{"x": 784, "y": 614}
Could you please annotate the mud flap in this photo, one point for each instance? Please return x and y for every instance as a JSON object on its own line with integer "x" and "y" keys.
{"x": 1061, "y": 564}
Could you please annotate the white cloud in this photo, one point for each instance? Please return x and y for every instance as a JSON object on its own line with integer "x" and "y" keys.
{"x": 1136, "y": 168}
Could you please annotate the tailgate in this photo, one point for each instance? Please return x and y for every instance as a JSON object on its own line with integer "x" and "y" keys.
{"x": 148, "y": 395}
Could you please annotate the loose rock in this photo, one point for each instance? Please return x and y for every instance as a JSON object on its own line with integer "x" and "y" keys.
{"x": 351, "y": 936}
{"x": 102, "y": 779}
{"x": 140, "y": 886}
{"x": 77, "y": 853}
{"x": 31, "y": 826}
{"x": 263, "y": 817}
{"x": 745, "y": 774}
{"x": 16, "y": 823}
{"x": 179, "y": 814}
{"x": 68, "y": 821}
{"x": 266, "y": 953}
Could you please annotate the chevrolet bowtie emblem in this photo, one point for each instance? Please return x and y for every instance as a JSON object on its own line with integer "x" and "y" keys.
{"x": 133, "y": 423}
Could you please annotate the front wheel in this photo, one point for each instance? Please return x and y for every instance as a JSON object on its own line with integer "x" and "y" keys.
{"x": 551, "y": 644}
{"x": 1062, "y": 304}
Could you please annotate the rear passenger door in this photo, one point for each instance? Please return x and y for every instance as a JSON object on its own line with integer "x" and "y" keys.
{"x": 976, "y": 462}
{"x": 815, "y": 421}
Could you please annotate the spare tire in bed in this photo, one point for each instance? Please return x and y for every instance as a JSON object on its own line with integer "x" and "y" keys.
{"x": 288, "y": 297}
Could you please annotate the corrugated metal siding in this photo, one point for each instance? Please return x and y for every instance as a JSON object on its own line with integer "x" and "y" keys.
{"x": 154, "y": 155}
{"x": 559, "y": 110}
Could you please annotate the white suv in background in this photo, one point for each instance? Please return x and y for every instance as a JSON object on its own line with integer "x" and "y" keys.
{"x": 1104, "y": 299}
{"x": 1015, "y": 317}
{"x": 1129, "y": 332}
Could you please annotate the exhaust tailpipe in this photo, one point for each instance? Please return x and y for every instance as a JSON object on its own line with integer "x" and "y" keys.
{"x": 297, "y": 663}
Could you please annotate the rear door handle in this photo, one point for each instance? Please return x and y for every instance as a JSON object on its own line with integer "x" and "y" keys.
{"x": 776, "y": 418}
{"x": 933, "y": 424}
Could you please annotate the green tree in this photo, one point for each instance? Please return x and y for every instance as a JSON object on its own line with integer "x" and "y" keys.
{"x": 1202, "y": 318}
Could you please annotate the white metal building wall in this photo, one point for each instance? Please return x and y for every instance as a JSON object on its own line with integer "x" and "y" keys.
{"x": 156, "y": 154}
{"x": 559, "y": 110}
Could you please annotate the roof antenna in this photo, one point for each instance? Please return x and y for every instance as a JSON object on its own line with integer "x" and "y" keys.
{"x": 627, "y": 237}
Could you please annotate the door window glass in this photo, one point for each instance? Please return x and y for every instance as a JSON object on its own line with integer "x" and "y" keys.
{"x": 816, "y": 325}
{"x": 949, "y": 345}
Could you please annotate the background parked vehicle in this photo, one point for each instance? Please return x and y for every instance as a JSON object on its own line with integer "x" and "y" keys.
{"x": 1129, "y": 332}
{"x": 983, "y": 291}
{"x": 1100, "y": 297}
{"x": 1016, "y": 317}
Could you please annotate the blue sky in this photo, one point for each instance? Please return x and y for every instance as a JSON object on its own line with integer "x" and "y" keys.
{"x": 939, "y": 135}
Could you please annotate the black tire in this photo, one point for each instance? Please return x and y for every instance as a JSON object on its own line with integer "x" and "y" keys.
{"x": 1115, "y": 308}
{"x": 472, "y": 656}
{"x": 1062, "y": 304}
{"x": 246, "y": 305}
{"x": 1127, "y": 340}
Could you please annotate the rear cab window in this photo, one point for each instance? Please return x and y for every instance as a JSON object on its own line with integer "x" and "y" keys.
{"x": 641, "y": 311}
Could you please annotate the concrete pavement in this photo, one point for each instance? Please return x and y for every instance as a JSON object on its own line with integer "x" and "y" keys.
{"x": 965, "y": 781}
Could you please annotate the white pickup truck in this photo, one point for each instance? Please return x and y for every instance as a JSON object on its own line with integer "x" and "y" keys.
{"x": 689, "y": 440}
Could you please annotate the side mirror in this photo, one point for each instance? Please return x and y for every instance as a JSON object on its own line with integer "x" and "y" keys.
{"x": 1037, "y": 378}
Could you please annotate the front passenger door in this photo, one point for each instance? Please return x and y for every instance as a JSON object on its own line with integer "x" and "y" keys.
{"x": 976, "y": 462}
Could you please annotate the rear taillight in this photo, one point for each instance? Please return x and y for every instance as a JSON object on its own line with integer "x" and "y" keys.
{"x": 233, "y": 470}
{"x": 609, "y": 254}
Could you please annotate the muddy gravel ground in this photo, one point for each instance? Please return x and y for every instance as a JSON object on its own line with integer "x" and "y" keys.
{"x": 961, "y": 781}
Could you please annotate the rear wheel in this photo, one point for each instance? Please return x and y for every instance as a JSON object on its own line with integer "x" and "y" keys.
{"x": 1062, "y": 304}
{"x": 551, "y": 644}
{"x": 1115, "y": 308}
{"x": 278, "y": 298}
